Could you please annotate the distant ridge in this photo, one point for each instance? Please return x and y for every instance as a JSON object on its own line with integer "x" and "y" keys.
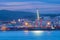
{"x": 10, "y": 15}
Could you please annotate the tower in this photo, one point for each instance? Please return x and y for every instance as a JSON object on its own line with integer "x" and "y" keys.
{"x": 38, "y": 15}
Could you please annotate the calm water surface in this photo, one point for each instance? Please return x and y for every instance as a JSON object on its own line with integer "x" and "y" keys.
{"x": 31, "y": 35}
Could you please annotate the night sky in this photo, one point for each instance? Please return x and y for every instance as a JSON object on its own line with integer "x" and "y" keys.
{"x": 44, "y": 6}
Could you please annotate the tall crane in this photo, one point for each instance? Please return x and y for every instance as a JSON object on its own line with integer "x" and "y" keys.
{"x": 38, "y": 15}
{"x": 38, "y": 18}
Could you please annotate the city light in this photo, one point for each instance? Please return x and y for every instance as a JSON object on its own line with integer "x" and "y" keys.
{"x": 3, "y": 28}
{"x": 13, "y": 22}
{"x": 41, "y": 22}
{"x": 48, "y": 23}
{"x": 26, "y": 23}
{"x": 19, "y": 20}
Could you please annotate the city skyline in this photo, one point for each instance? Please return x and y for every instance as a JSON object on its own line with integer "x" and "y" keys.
{"x": 29, "y": 19}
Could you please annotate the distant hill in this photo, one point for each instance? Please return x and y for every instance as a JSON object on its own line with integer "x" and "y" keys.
{"x": 10, "y": 15}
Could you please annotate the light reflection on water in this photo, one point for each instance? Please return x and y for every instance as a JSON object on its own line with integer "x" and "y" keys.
{"x": 30, "y": 35}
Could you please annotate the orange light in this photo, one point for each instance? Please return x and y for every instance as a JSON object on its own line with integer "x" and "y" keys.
{"x": 26, "y": 23}
{"x": 3, "y": 28}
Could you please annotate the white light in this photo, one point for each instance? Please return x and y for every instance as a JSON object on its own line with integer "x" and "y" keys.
{"x": 37, "y": 33}
{"x": 19, "y": 20}
{"x": 48, "y": 23}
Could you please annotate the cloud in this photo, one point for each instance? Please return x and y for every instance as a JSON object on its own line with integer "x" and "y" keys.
{"x": 30, "y": 6}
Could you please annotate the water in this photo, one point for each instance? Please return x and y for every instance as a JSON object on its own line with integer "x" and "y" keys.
{"x": 21, "y": 35}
